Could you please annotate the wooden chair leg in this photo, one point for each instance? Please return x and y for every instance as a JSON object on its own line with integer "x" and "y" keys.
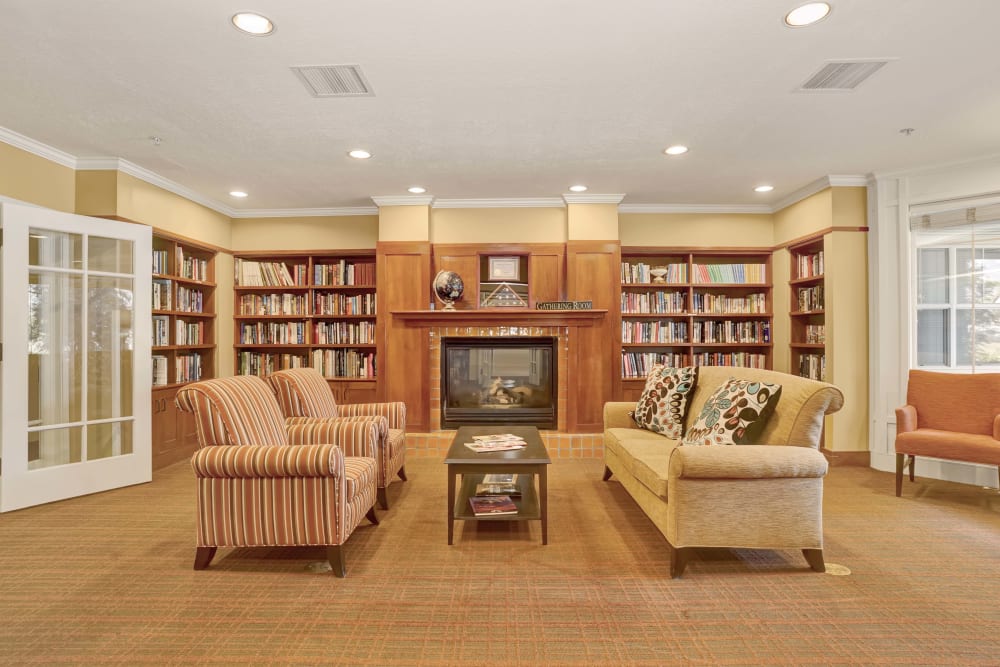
{"x": 607, "y": 474}
{"x": 678, "y": 561}
{"x": 402, "y": 473}
{"x": 815, "y": 559}
{"x": 335, "y": 554}
{"x": 900, "y": 458}
{"x": 913, "y": 463}
{"x": 383, "y": 498}
{"x": 203, "y": 556}
{"x": 371, "y": 516}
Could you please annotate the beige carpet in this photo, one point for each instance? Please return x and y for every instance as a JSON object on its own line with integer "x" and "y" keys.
{"x": 108, "y": 579}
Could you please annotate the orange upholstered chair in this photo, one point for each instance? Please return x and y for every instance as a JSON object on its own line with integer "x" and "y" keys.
{"x": 304, "y": 392}
{"x": 262, "y": 483}
{"x": 953, "y": 416}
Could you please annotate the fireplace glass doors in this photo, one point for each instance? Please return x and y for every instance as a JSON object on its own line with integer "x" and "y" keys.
{"x": 498, "y": 381}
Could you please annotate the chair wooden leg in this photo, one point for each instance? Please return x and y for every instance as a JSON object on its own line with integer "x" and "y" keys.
{"x": 678, "y": 561}
{"x": 607, "y": 474}
{"x": 815, "y": 558}
{"x": 335, "y": 554}
{"x": 402, "y": 473}
{"x": 383, "y": 498}
{"x": 371, "y": 516}
{"x": 913, "y": 463}
{"x": 899, "y": 474}
{"x": 203, "y": 556}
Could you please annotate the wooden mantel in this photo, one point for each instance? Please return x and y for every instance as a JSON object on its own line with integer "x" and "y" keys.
{"x": 492, "y": 317}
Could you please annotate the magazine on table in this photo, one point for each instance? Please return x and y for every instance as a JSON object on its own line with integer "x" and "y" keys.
{"x": 499, "y": 437}
{"x": 495, "y": 446}
{"x": 492, "y": 505}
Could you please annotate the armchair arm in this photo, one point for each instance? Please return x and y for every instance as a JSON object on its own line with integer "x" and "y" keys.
{"x": 745, "y": 462}
{"x": 355, "y": 437}
{"x": 906, "y": 420}
{"x": 394, "y": 411}
{"x": 229, "y": 461}
{"x": 616, "y": 415}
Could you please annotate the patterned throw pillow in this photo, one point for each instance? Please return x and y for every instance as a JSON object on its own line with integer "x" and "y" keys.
{"x": 735, "y": 414}
{"x": 663, "y": 404}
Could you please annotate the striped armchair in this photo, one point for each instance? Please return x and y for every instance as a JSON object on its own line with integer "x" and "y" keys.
{"x": 262, "y": 483}
{"x": 304, "y": 392}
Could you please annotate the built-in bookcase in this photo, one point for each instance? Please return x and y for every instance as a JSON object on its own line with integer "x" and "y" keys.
{"x": 693, "y": 308}
{"x": 295, "y": 309}
{"x": 808, "y": 309}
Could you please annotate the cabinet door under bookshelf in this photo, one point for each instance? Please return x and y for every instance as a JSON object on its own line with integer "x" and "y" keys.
{"x": 682, "y": 307}
{"x": 318, "y": 310}
{"x": 808, "y": 310}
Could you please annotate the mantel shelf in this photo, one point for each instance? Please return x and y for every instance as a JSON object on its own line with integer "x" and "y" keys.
{"x": 500, "y": 317}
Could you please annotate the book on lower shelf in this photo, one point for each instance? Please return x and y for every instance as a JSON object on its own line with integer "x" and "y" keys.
{"x": 492, "y": 505}
{"x": 506, "y": 488}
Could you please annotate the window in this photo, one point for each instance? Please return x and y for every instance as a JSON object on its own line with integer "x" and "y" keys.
{"x": 957, "y": 260}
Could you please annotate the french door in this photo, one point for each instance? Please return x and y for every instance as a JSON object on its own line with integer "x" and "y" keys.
{"x": 75, "y": 365}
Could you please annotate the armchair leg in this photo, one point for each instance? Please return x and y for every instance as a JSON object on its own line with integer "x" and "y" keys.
{"x": 203, "y": 556}
{"x": 607, "y": 474}
{"x": 815, "y": 559}
{"x": 913, "y": 463}
{"x": 678, "y": 561}
{"x": 335, "y": 554}
{"x": 371, "y": 516}
{"x": 383, "y": 498}
{"x": 402, "y": 473}
{"x": 900, "y": 459}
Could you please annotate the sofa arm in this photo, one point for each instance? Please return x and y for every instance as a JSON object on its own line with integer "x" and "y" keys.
{"x": 228, "y": 461}
{"x": 906, "y": 419}
{"x": 745, "y": 462}
{"x": 355, "y": 437}
{"x": 616, "y": 415}
{"x": 394, "y": 411}
{"x": 381, "y": 422}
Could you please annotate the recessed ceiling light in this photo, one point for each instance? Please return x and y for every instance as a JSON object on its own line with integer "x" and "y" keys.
{"x": 763, "y": 188}
{"x": 417, "y": 190}
{"x": 253, "y": 24}
{"x": 238, "y": 193}
{"x": 807, "y": 14}
{"x": 578, "y": 188}
{"x": 360, "y": 154}
{"x": 676, "y": 150}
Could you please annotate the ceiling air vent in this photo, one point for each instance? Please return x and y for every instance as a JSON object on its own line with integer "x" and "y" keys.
{"x": 842, "y": 76}
{"x": 334, "y": 80}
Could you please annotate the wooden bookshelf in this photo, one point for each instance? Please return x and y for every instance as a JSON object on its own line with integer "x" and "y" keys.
{"x": 712, "y": 308}
{"x": 184, "y": 346}
{"x": 297, "y": 309}
{"x": 807, "y": 304}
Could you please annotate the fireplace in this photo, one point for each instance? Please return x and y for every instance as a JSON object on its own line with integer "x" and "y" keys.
{"x": 498, "y": 381}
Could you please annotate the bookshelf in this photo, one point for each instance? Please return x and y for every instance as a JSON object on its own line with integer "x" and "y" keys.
{"x": 183, "y": 345}
{"x": 308, "y": 309}
{"x": 693, "y": 307}
{"x": 808, "y": 309}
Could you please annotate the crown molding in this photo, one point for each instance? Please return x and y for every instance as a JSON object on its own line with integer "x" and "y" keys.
{"x": 573, "y": 198}
{"x": 540, "y": 202}
{"x": 98, "y": 164}
{"x": 756, "y": 209}
{"x": 941, "y": 166}
{"x": 819, "y": 185}
{"x": 403, "y": 200}
{"x": 37, "y": 148}
{"x": 305, "y": 212}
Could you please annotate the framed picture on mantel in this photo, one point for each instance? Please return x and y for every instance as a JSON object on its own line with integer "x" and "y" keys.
{"x": 505, "y": 268}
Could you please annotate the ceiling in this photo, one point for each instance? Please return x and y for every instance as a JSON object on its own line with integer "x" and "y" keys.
{"x": 486, "y": 100}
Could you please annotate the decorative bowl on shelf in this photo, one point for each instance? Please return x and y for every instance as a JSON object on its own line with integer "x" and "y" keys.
{"x": 448, "y": 288}
{"x": 658, "y": 272}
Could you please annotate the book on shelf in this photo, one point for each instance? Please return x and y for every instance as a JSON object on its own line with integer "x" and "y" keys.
{"x": 492, "y": 505}
{"x": 500, "y": 478}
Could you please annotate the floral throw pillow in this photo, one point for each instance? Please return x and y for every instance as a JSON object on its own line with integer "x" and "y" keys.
{"x": 663, "y": 404}
{"x": 735, "y": 414}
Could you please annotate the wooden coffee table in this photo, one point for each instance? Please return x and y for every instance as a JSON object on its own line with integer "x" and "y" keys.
{"x": 529, "y": 464}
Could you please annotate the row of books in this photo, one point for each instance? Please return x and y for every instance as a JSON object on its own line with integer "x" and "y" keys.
{"x": 653, "y": 302}
{"x": 273, "y": 333}
{"x": 189, "y": 333}
{"x": 344, "y": 363}
{"x": 345, "y": 333}
{"x": 721, "y": 304}
{"x": 639, "y": 273}
{"x": 815, "y": 333}
{"x": 344, "y": 273}
{"x": 732, "y": 331}
{"x": 342, "y": 304}
{"x": 654, "y": 331}
{"x": 190, "y": 300}
{"x": 495, "y": 495}
{"x": 250, "y": 273}
{"x": 496, "y": 442}
{"x": 264, "y": 363}
{"x": 636, "y": 365}
{"x": 813, "y": 366}
{"x": 163, "y": 294}
{"x": 729, "y": 273}
{"x": 810, "y": 298}
{"x": 273, "y": 304}
{"x": 192, "y": 268}
{"x": 810, "y": 266}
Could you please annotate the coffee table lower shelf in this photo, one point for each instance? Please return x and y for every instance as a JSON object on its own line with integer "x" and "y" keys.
{"x": 528, "y": 507}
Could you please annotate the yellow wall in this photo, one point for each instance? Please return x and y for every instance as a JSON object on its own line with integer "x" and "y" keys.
{"x": 313, "y": 234}
{"x": 729, "y": 230}
{"x": 151, "y": 205}
{"x": 498, "y": 225}
{"x": 781, "y": 264}
{"x": 591, "y": 222}
{"x": 404, "y": 223}
{"x": 35, "y": 180}
{"x": 850, "y": 207}
{"x": 812, "y": 214}
{"x": 97, "y": 192}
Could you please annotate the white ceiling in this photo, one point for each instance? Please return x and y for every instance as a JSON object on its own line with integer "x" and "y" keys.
{"x": 494, "y": 100}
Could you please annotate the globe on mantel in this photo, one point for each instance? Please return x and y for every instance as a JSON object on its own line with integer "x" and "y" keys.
{"x": 448, "y": 287}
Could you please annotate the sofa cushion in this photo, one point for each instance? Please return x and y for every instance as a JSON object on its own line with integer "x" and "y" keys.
{"x": 735, "y": 414}
{"x": 646, "y": 457}
{"x": 663, "y": 405}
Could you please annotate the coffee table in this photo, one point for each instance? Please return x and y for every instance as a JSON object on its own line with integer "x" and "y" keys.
{"x": 529, "y": 464}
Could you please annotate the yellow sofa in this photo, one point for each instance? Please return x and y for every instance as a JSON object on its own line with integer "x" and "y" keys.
{"x": 763, "y": 496}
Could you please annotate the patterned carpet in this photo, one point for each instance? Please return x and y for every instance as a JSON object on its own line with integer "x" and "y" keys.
{"x": 108, "y": 579}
